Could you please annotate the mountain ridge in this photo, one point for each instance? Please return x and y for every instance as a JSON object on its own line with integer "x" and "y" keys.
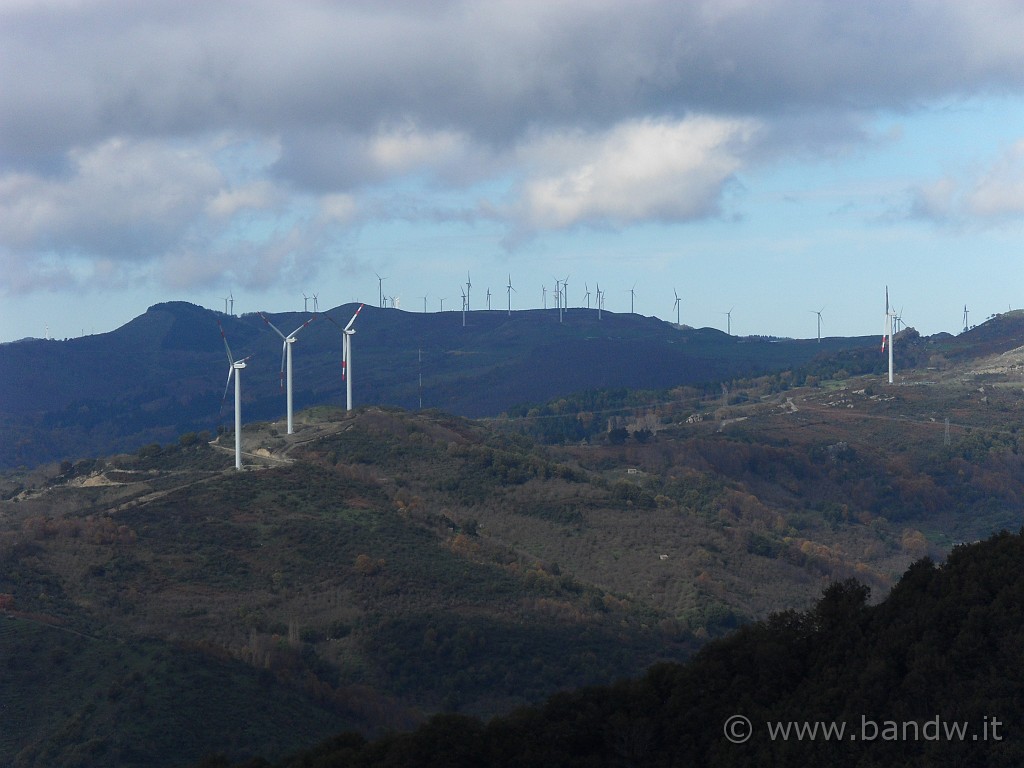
{"x": 161, "y": 374}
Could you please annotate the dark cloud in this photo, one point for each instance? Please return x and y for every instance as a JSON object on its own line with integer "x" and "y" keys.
{"x": 578, "y": 113}
{"x": 490, "y": 70}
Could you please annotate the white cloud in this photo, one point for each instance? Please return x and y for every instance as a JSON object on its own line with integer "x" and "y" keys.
{"x": 258, "y": 195}
{"x": 128, "y": 211}
{"x": 405, "y": 149}
{"x": 639, "y": 170}
{"x": 338, "y": 208}
{"x": 122, "y": 199}
{"x": 991, "y": 195}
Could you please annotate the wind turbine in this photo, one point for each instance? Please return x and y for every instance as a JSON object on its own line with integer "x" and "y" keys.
{"x": 509, "y": 291}
{"x": 565, "y": 292}
{"x": 469, "y": 284}
{"x": 600, "y": 300}
{"x": 424, "y": 304}
{"x": 305, "y": 303}
{"x": 887, "y": 331}
{"x": 286, "y": 361}
{"x": 587, "y": 294}
{"x": 442, "y": 298}
{"x": 728, "y": 321}
{"x": 632, "y": 295}
{"x": 544, "y": 294}
{"x": 316, "y": 304}
{"x": 380, "y": 290}
{"x": 818, "y": 313}
{"x": 676, "y": 305}
{"x": 346, "y": 354}
{"x": 234, "y": 369}
{"x": 965, "y": 318}
{"x": 465, "y": 304}
{"x": 488, "y": 298}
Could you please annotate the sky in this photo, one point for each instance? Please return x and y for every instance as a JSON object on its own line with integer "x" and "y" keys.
{"x": 770, "y": 159}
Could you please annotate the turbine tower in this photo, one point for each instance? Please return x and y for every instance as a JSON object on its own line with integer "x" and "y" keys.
{"x": 305, "y": 303}
{"x": 632, "y": 295}
{"x": 234, "y": 369}
{"x": 286, "y": 361}
{"x": 509, "y": 291}
{"x": 600, "y": 299}
{"x": 965, "y": 318}
{"x": 818, "y": 313}
{"x": 469, "y": 284}
{"x": 676, "y": 306}
{"x": 887, "y": 331}
{"x": 728, "y": 321}
{"x": 587, "y": 294}
{"x": 346, "y": 354}
{"x": 488, "y": 299}
{"x": 380, "y": 290}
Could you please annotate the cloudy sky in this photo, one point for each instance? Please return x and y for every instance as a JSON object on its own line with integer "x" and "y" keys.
{"x": 768, "y": 157}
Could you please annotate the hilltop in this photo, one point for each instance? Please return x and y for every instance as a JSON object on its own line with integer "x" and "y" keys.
{"x": 163, "y": 373}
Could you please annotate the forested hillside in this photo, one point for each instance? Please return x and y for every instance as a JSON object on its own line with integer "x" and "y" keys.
{"x": 931, "y": 676}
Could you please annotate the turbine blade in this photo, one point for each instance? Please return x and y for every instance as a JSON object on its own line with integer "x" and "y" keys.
{"x": 284, "y": 353}
{"x": 311, "y": 319}
{"x": 231, "y": 360}
{"x": 231, "y": 371}
{"x": 350, "y": 322}
{"x": 278, "y": 330}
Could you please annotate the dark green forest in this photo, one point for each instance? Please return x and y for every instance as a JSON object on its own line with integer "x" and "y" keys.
{"x": 930, "y": 676}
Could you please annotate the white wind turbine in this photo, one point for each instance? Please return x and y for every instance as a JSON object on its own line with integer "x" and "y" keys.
{"x": 887, "y": 331}
{"x": 818, "y": 313}
{"x": 234, "y": 369}
{"x": 676, "y": 307}
{"x": 346, "y": 355}
{"x": 286, "y": 361}
{"x": 509, "y": 290}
